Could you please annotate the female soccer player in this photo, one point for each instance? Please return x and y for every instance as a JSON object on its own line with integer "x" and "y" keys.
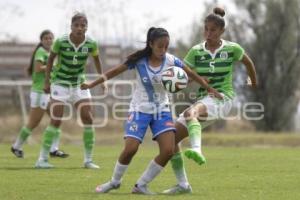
{"x": 72, "y": 51}
{"x": 149, "y": 107}
{"x": 213, "y": 58}
{"x": 38, "y": 99}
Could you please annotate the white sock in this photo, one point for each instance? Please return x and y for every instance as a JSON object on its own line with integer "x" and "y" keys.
{"x": 194, "y": 130}
{"x": 195, "y": 144}
{"x": 118, "y": 173}
{"x": 150, "y": 173}
{"x": 179, "y": 170}
{"x": 182, "y": 178}
{"x": 43, "y": 155}
{"x": 18, "y": 144}
{"x": 22, "y": 137}
{"x": 56, "y": 139}
{"x": 55, "y": 145}
{"x": 87, "y": 157}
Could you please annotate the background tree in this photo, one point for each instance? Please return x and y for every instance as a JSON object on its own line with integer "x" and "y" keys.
{"x": 270, "y": 33}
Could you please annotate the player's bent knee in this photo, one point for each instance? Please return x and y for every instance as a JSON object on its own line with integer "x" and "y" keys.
{"x": 188, "y": 114}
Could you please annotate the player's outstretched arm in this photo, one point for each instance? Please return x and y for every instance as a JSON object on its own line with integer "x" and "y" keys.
{"x": 106, "y": 76}
{"x": 98, "y": 66}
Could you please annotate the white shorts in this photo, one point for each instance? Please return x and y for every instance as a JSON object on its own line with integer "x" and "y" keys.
{"x": 39, "y": 100}
{"x": 216, "y": 109}
{"x": 69, "y": 94}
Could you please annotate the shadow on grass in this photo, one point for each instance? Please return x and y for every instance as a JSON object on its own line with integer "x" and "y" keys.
{"x": 117, "y": 193}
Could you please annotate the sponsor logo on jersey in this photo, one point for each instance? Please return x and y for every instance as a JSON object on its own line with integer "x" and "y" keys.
{"x": 199, "y": 59}
{"x": 130, "y": 117}
{"x": 223, "y": 55}
{"x": 85, "y": 50}
{"x": 145, "y": 79}
{"x": 169, "y": 124}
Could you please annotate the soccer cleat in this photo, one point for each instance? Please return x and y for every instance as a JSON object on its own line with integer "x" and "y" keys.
{"x": 18, "y": 153}
{"x": 43, "y": 164}
{"x": 195, "y": 155}
{"x": 141, "y": 189}
{"x": 106, "y": 187}
{"x": 90, "y": 165}
{"x": 59, "y": 154}
{"x": 177, "y": 189}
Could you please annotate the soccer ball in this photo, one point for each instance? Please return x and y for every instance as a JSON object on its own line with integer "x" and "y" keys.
{"x": 174, "y": 79}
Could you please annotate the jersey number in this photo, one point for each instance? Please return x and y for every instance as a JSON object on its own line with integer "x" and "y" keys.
{"x": 212, "y": 67}
{"x": 75, "y": 61}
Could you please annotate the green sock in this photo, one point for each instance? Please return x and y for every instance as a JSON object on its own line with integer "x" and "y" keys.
{"x": 194, "y": 129}
{"x": 25, "y": 132}
{"x": 89, "y": 140}
{"x": 23, "y": 135}
{"x": 179, "y": 170}
{"x": 47, "y": 140}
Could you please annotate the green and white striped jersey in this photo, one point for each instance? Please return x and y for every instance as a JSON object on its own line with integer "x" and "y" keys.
{"x": 71, "y": 60}
{"x": 217, "y": 67}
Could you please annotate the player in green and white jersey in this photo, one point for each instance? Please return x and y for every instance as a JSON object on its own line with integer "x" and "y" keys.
{"x": 72, "y": 51}
{"x": 38, "y": 99}
{"x": 213, "y": 59}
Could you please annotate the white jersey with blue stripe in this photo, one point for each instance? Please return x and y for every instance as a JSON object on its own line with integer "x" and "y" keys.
{"x": 150, "y": 95}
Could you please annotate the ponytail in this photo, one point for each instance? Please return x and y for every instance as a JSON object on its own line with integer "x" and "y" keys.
{"x": 30, "y": 68}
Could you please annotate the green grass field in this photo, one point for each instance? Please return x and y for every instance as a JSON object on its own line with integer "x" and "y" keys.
{"x": 231, "y": 173}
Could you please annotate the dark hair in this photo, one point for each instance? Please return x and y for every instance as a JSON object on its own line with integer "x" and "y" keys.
{"x": 152, "y": 35}
{"x": 217, "y": 17}
{"x": 30, "y": 68}
{"x": 79, "y": 15}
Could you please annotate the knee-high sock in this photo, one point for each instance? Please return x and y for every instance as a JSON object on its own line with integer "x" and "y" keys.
{"x": 47, "y": 140}
{"x": 89, "y": 140}
{"x": 22, "y": 137}
{"x": 56, "y": 139}
{"x": 195, "y": 129}
{"x": 118, "y": 173}
{"x": 150, "y": 173}
{"x": 179, "y": 170}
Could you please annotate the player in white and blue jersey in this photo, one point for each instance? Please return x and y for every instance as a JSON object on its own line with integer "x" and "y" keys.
{"x": 149, "y": 108}
{"x": 150, "y": 101}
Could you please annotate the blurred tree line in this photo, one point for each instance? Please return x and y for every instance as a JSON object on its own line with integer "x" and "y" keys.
{"x": 269, "y": 31}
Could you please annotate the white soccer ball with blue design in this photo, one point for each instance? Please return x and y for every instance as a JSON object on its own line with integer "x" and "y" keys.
{"x": 174, "y": 79}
